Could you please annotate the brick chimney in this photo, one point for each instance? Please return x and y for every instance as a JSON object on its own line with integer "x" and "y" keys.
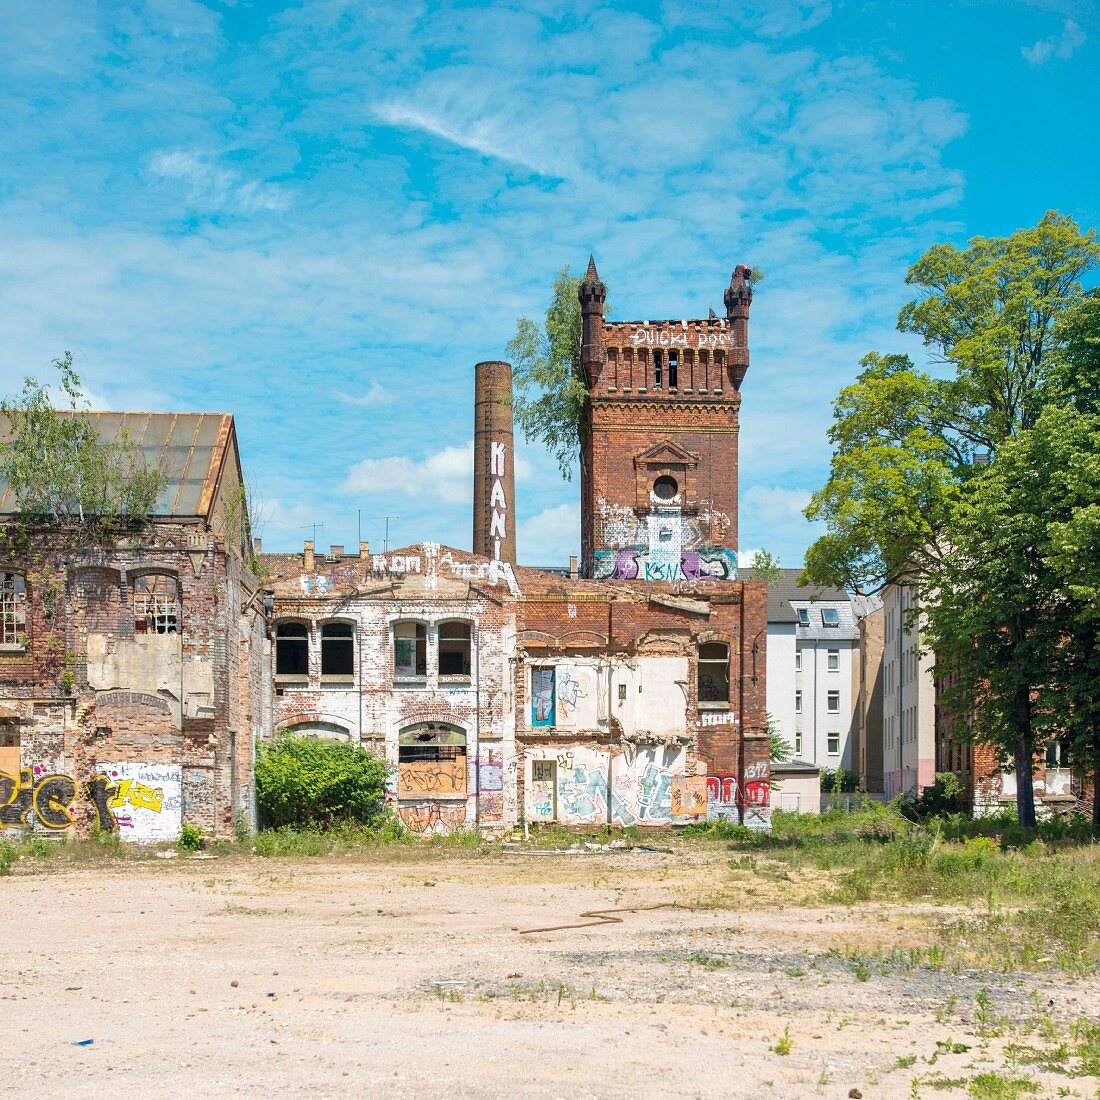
{"x": 309, "y": 556}
{"x": 364, "y": 550}
{"x": 494, "y": 463}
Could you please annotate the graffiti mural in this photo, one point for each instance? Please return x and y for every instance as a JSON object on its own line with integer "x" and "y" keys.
{"x": 143, "y": 801}
{"x": 722, "y": 798}
{"x": 434, "y": 818}
{"x": 147, "y": 802}
{"x": 714, "y": 563}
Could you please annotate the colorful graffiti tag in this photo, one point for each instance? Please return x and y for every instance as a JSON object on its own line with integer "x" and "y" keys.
{"x": 641, "y": 563}
{"x": 143, "y": 801}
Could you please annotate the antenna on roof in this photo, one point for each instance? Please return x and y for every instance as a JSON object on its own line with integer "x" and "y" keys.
{"x": 386, "y": 540}
{"x": 315, "y": 528}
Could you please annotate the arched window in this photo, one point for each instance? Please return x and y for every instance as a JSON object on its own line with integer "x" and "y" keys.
{"x": 431, "y": 760}
{"x": 454, "y": 650}
{"x": 291, "y": 649}
{"x": 13, "y": 610}
{"x": 714, "y": 672}
{"x": 337, "y": 650}
{"x": 410, "y": 651}
{"x": 156, "y": 604}
{"x": 322, "y": 731}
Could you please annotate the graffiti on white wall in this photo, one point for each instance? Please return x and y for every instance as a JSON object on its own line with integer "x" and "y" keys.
{"x": 147, "y": 802}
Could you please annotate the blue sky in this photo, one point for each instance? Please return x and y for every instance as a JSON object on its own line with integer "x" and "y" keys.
{"x": 320, "y": 215}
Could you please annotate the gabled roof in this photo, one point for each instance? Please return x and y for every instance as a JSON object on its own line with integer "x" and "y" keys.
{"x": 191, "y": 449}
{"x": 666, "y": 451}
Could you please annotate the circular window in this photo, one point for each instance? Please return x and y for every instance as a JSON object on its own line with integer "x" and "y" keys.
{"x": 665, "y": 488}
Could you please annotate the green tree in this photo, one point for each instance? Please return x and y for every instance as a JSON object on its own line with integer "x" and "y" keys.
{"x": 550, "y": 387}
{"x": 303, "y": 781}
{"x": 60, "y": 471}
{"x": 906, "y": 499}
{"x": 781, "y": 750}
{"x": 765, "y": 567}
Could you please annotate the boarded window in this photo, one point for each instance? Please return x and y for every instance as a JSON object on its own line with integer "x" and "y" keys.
{"x": 542, "y": 695}
{"x": 337, "y": 650}
{"x": 156, "y": 604}
{"x": 714, "y": 672}
{"x": 410, "y": 651}
{"x": 431, "y": 760}
{"x": 13, "y": 609}
{"x": 291, "y": 649}
{"x": 454, "y": 650}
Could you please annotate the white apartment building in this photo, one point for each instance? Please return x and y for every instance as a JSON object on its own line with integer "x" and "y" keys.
{"x": 908, "y": 697}
{"x": 813, "y": 670}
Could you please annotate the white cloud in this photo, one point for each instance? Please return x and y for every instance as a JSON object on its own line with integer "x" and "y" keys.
{"x": 214, "y": 187}
{"x": 446, "y": 475}
{"x": 485, "y": 135}
{"x": 1061, "y": 46}
{"x": 374, "y": 394}
{"x": 550, "y": 537}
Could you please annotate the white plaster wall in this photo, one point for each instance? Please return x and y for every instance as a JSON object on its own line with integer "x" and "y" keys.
{"x": 781, "y": 679}
{"x": 816, "y": 681}
{"x": 807, "y": 790}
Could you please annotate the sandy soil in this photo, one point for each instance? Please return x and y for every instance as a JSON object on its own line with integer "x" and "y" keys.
{"x": 408, "y": 972}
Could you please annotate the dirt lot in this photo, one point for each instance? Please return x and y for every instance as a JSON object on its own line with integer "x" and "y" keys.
{"x": 407, "y": 971}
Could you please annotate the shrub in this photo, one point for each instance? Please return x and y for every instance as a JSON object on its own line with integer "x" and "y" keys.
{"x": 191, "y": 838}
{"x": 8, "y": 856}
{"x": 839, "y": 781}
{"x": 303, "y": 781}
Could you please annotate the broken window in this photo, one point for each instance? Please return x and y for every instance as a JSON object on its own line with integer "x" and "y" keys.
{"x": 291, "y": 649}
{"x": 656, "y": 368}
{"x": 542, "y": 695}
{"x": 410, "y": 651}
{"x": 673, "y": 369}
{"x": 454, "y": 650}
{"x": 337, "y": 650}
{"x": 156, "y": 604}
{"x": 13, "y": 609}
{"x": 714, "y": 672}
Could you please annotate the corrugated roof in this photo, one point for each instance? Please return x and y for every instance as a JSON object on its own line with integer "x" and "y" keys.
{"x": 189, "y": 447}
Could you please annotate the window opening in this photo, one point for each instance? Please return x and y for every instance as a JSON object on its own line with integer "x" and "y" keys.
{"x": 656, "y": 368}
{"x": 798, "y": 743}
{"x": 673, "y": 369}
{"x": 156, "y": 604}
{"x": 542, "y": 771}
{"x": 454, "y": 649}
{"x": 830, "y": 616}
{"x": 798, "y": 660}
{"x": 803, "y": 617}
{"x": 834, "y": 660}
{"x": 410, "y": 651}
{"x": 798, "y": 702}
{"x": 832, "y": 704}
{"x": 431, "y": 758}
{"x": 337, "y": 650}
{"x": 542, "y": 695}
{"x": 714, "y": 672}
{"x": 665, "y": 487}
{"x": 13, "y": 611}
{"x": 291, "y": 649}
{"x": 833, "y": 744}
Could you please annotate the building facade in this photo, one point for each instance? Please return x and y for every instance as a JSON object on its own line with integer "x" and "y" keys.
{"x": 133, "y": 674}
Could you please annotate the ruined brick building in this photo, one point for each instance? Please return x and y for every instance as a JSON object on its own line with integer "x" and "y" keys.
{"x": 133, "y": 683}
{"x": 633, "y": 694}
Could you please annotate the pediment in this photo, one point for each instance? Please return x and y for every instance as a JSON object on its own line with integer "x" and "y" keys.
{"x": 666, "y": 453}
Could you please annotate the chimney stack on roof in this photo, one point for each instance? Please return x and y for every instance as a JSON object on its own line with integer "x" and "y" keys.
{"x": 364, "y": 550}
{"x": 308, "y": 556}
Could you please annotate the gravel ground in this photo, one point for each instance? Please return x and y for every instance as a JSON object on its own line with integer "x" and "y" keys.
{"x": 409, "y": 971}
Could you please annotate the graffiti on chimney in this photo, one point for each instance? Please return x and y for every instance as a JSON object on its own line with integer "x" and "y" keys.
{"x": 498, "y": 502}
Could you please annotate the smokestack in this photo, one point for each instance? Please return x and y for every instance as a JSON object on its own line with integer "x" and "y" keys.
{"x": 494, "y": 463}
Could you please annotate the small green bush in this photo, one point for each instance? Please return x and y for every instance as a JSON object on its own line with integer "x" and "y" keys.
{"x": 8, "y": 855}
{"x": 191, "y": 838}
{"x": 301, "y": 781}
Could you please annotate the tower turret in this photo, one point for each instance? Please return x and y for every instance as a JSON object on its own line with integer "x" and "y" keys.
{"x": 738, "y": 299}
{"x": 593, "y": 295}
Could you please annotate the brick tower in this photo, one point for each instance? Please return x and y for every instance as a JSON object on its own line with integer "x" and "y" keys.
{"x": 494, "y": 463}
{"x": 659, "y": 449}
